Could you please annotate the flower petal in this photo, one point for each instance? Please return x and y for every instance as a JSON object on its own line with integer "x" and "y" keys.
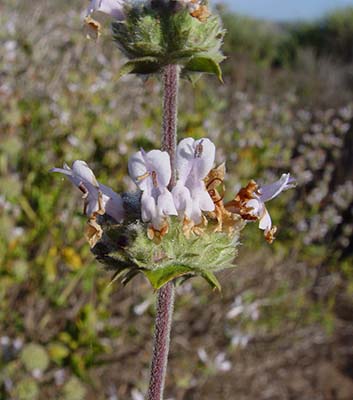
{"x": 265, "y": 221}
{"x": 165, "y": 203}
{"x": 205, "y": 152}
{"x": 84, "y": 172}
{"x": 148, "y": 207}
{"x": 159, "y": 162}
{"x": 196, "y": 213}
{"x": 113, "y": 203}
{"x": 205, "y": 201}
{"x": 97, "y": 197}
{"x": 194, "y": 157}
{"x": 256, "y": 207}
{"x": 114, "y": 8}
{"x": 137, "y": 169}
{"x": 182, "y": 198}
{"x": 185, "y": 158}
{"x": 269, "y": 192}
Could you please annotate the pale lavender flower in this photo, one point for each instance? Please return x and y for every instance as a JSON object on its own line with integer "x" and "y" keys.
{"x": 114, "y": 8}
{"x": 266, "y": 193}
{"x": 98, "y": 198}
{"x": 152, "y": 172}
{"x": 194, "y": 161}
{"x": 250, "y": 203}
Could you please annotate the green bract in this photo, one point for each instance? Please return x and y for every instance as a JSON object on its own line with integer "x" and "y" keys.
{"x": 152, "y": 38}
{"x": 126, "y": 249}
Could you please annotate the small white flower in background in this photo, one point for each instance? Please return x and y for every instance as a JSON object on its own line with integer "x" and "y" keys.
{"x": 59, "y": 377}
{"x": 240, "y": 339}
{"x": 250, "y": 203}
{"x": 37, "y": 373}
{"x": 114, "y": 8}
{"x": 194, "y": 160}
{"x": 136, "y": 395}
{"x": 18, "y": 344}
{"x": 249, "y": 310}
{"x": 141, "y": 308}
{"x": 5, "y": 341}
{"x": 152, "y": 172}
{"x": 98, "y": 198}
{"x": 220, "y": 363}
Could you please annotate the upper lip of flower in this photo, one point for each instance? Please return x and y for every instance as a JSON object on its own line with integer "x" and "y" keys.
{"x": 98, "y": 198}
{"x": 114, "y": 8}
{"x": 194, "y": 161}
{"x": 152, "y": 172}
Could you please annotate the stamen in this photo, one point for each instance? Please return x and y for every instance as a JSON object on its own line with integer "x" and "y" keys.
{"x": 154, "y": 178}
{"x": 142, "y": 177}
{"x": 83, "y": 189}
{"x": 198, "y": 150}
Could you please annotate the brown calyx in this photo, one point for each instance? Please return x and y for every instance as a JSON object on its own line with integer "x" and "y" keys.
{"x": 93, "y": 231}
{"x": 239, "y": 204}
{"x": 270, "y": 234}
{"x": 202, "y": 13}
{"x": 214, "y": 181}
{"x": 93, "y": 28}
{"x": 157, "y": 234}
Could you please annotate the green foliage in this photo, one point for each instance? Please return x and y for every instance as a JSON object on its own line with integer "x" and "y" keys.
{"x": 257, "y": 40}
{"x": 127, "y": 250}
{"x": 73, "y": 390}
{"x": 152, "y": 39}
{"x": 330, "y": 36}
{"x": 27, "y": 389}
{"x": 35, "y": 357}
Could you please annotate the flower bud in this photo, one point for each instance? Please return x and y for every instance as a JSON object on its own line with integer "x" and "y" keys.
{"x": 157, "y": 33}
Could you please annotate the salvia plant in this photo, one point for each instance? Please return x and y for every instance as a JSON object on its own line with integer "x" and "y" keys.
{"x": 177, "y": 224}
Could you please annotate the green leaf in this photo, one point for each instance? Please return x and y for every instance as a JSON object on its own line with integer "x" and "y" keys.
{"x": 27, "y": 389}
{"x": 204, "y": 64}
{"x": 212, "y": 280}
{"x": 143, "y": 65}
{"x": 192, "y": 77}
{"x": 161, "y": 276}
{"x": 58, "y": 352}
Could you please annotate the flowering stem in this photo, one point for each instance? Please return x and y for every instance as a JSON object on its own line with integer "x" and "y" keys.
{"x": 164, "y": 312}
{"x": 170, "y": 114}
{"x": 165, "y": 297}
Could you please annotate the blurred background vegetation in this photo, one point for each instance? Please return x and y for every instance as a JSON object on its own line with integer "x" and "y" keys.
{"x": 282, "y": 328}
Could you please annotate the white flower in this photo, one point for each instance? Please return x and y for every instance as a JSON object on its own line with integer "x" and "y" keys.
{"x": 98, "y": 198}
{"x": 114, "y": 8}
{"x": 194, "y": 161}
{"x": 152, "y": 172}
{"x": 250, "y": 203}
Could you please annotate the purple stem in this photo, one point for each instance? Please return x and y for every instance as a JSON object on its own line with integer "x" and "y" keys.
{"x": 165, "y": 297}
{"x": 164, "y": 313}
{"x": 170, "y": 115}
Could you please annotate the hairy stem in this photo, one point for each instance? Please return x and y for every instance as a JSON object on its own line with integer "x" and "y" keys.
{"x": 165, "y": 296}
{"x": 170, "y": 114}
{"x": 164, "y": 312}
